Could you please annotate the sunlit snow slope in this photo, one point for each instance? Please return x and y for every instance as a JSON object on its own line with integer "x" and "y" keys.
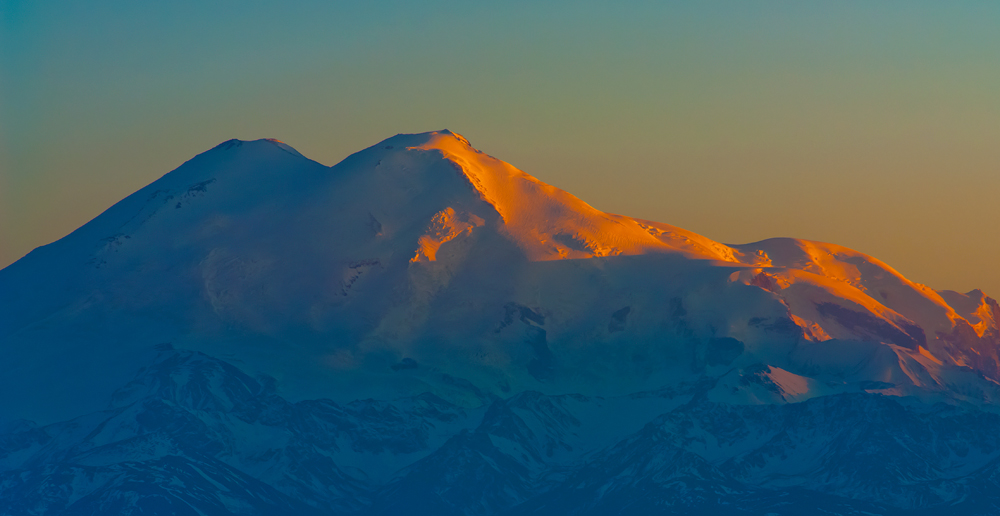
{"x": 423, "y": 265}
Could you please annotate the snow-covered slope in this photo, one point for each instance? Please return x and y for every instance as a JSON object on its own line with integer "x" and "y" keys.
{"x": 466, "y": 301}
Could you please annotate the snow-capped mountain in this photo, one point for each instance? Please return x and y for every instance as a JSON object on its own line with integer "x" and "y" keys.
{"x": 425, "y": 329}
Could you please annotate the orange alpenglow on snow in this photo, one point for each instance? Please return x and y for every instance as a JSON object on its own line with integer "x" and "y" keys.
{"x": 551, "y": 224}
{"x": 820, "y": 283}
{"x": 423, "y": 247}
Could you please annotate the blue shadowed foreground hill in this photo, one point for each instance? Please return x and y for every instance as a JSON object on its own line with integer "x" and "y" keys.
{"x": 424, "y": 329}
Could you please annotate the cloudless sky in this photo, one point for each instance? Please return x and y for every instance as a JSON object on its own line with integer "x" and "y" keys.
{"x": 874, "y": 125}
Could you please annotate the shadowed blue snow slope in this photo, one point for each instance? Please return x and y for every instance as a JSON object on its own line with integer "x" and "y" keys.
{"x": 191, "y": 431}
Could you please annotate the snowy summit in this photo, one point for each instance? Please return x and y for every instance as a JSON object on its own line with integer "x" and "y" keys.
{"x": 449, "y": 290}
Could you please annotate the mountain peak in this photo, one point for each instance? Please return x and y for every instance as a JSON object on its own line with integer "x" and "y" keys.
{"x": 426, "y": 140}
{"x": 423, "y": 328}
{"x": 236, "y": 143}
{"x": 548, "y": 223}
{"x": 376, "y": 261}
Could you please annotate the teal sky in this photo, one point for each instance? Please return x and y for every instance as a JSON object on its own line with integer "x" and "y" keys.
{"x": 874, "y": 125}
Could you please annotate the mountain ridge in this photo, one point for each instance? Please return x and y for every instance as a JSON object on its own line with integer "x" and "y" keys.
{"x": 425, "y": 329}
{"x": 270, "y": 250}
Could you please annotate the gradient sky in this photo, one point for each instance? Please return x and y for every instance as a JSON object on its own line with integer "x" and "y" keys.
{"x": 874, "y": 125}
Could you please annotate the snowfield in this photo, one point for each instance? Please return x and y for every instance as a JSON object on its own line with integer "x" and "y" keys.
{"x": 425, "y": 329}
